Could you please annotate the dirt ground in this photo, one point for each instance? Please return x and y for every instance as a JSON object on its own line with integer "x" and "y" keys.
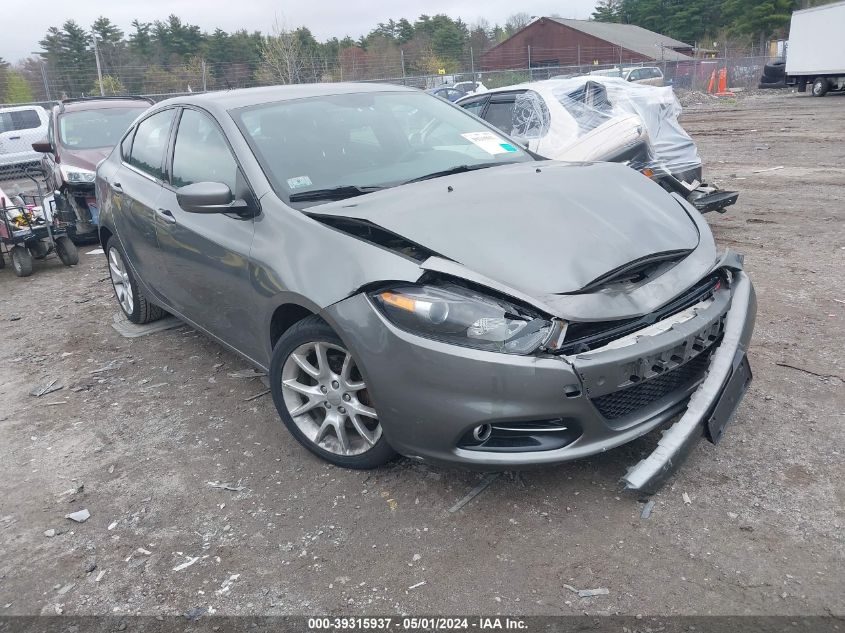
{"x": 137, "y": 443}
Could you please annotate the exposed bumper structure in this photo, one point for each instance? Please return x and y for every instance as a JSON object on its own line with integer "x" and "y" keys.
{"x": 432, "y": 396}
{"x": 728, "y": 364}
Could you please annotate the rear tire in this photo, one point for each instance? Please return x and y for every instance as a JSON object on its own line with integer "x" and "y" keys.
{"x": 820, "y": 86}
{"x": 320, "y": 427}
{"x": 66, "y": 250}
{"x": 21, "y": 261}
{"x": 137, "y": 308}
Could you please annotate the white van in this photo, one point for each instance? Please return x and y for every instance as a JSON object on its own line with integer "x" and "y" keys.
{"x": 20, "y": 127}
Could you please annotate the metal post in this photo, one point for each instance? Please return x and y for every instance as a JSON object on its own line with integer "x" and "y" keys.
{"x": 529, "y": 62}
{"x": 471, "y": 63}
{"x": 99, "y": 70}
{"x": 204, "y": 84}
{"x": 402, "y": 54}
{"x": 46, "y": 84}
{"x": 579, "y": 58}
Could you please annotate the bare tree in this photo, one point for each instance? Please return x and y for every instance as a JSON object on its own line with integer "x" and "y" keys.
{"x": 517, "y": 22}
{"x": 282, "y": 56}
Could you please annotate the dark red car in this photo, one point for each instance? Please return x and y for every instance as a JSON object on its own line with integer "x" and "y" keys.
{"x": 81, "y": 133}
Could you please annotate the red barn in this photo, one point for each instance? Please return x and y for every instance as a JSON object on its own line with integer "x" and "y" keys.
{"x": 548, "y": 42}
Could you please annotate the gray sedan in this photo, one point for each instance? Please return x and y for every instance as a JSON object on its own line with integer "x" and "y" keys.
{"x": 414, "y": 282}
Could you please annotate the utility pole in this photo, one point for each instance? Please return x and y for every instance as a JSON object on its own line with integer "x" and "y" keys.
{"x": 402, "y": 54}
{"x": 46, "y": 84}
{"x": 99, "y": 70}
{"x": 204, "y": 84}
{"x": 471, "y": 63}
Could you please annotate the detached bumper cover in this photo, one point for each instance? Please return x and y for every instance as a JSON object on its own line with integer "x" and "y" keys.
{"x": 714, "y": 397}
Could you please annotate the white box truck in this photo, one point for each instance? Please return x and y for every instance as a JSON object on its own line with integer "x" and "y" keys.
{"x": 815, "y": 54}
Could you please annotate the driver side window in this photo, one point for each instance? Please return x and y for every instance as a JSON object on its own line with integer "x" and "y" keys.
{"x": 201, "y": 154}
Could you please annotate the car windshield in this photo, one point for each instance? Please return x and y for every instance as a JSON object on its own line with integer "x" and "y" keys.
{"x": 367, "y": 140}
{"x": 92, "y": 129}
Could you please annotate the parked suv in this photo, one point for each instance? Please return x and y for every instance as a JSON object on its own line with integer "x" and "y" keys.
{"x": 80, "y": 133}
{"x": 20, "y": 127}
{"x": 648, "y": 75}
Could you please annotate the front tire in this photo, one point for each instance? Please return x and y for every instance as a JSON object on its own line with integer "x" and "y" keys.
{"x": 21, "y": 261}
{"x": 322, "y": 399}
{"x": 137, "y": 308}
{"x": 820, "y": 86}
{"x": 67, "y": 251}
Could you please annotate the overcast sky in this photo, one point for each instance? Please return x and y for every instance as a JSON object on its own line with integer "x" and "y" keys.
{"x": 325, "y": 18}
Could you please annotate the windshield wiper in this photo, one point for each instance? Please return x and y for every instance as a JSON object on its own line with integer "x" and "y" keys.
{"x": 454, "y": 170}
{"x": 333, "y": 193}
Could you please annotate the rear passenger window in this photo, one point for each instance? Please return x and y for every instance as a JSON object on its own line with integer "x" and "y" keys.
{"x": 500, "y": 115}
{"x": 201, "y": 153}
{"x": 19, "y": 120}
{"x": 151, "y": 142}
{"x": 126, "y": 146}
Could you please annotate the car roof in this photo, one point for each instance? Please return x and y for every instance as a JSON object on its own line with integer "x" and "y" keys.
{"x": 95, "y": 103}
{"x": 231, "y": 99}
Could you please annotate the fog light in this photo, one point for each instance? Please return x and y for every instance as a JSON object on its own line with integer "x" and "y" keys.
{"x": 482, "y": 432}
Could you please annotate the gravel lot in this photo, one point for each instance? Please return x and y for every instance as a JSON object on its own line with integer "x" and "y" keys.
{"x": 762, "y": 533}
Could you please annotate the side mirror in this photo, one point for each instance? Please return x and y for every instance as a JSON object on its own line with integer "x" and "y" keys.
{"x": 206, "y": 197}
{"x": 43, "y": 147}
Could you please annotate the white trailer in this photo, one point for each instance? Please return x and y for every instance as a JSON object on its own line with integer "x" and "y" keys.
{"x": 816, "y": 51}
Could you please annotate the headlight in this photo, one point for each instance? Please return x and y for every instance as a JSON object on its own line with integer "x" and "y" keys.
{"x": 456, "y": 315}
{"x": 76, "y": 175}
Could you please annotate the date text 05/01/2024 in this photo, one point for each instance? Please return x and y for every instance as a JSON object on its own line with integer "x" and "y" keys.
{"x": 428, "y": 623}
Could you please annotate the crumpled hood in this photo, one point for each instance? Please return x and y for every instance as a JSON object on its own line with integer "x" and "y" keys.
{"x": 539, "y": 227}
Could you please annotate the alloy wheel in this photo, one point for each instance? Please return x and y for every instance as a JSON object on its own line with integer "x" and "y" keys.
{"x": 120, "y": 280}
{"x": 326, "y": 397}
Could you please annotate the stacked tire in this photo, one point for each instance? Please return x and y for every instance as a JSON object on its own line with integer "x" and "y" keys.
{"x": 774, "y": 75}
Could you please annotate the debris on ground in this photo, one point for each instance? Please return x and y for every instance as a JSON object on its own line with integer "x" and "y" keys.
{"x": 227, "y": 584}
{"x": 192, "y": 615}
{"x": 227, "y": 486}
{"x": 588, "y": 593}
{"x": 472, "y": 494}
{"x": 110, "y": 366}
{"x": 80, "y": 516}
{"x": 100, "y": 576}
{"x": 419, "y": 584}
{"x": 647, "y": 508}
{"x": 257, "y": 396}
{"x": 50, "y": 387}
{"x": 687, "y": 500}
{"x": 112, "y": 525}
{"x": 50, "y": 533}
{"x": 187, "y": 563}
{"x": 90, "y": 566}
{"x": 246, "y": 373}
{"x": 761, "y": 171}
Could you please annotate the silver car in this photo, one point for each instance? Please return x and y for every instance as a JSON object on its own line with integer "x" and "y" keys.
{"x": 416, "y": 283}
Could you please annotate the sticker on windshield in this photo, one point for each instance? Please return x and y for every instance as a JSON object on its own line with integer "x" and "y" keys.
{"x": 489, "y": 142}
{"x": 299, "y": 182}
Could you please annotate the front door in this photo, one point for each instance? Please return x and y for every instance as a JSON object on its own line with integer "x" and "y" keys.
{"x": 206, "y": 255}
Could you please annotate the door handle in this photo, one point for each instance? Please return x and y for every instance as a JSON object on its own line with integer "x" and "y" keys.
{"x": 117, "y": 186}
{"x": 166, "y": 215}
{"x": 14, "y": 138}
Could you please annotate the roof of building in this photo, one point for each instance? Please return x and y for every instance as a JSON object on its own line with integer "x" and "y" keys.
{"x": 631, "y": 37}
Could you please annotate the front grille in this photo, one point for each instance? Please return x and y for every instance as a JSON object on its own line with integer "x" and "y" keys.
{"x": 589, "y": 335}
{"x": 631, "y": 399}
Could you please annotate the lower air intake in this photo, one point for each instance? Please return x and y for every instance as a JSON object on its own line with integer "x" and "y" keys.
{"x": 631, "y": 399}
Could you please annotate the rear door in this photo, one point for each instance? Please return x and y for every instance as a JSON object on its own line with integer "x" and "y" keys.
{"x": 19, "y": 129}
{"x": 136, "y": 188}
{"x": 206, "y": 255}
